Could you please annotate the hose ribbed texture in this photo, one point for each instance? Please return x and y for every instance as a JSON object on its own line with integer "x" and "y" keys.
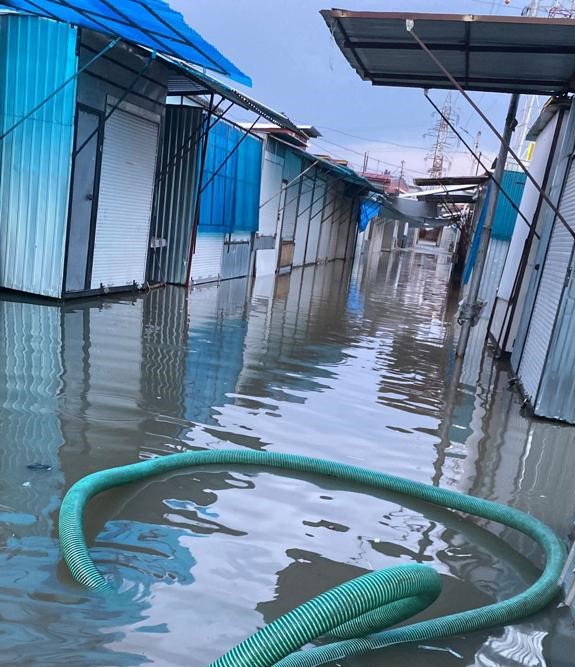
{"x": 357, "y": 612}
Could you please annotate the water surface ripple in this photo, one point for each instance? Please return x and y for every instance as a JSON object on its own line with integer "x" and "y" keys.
{"x": 348, "y": 363}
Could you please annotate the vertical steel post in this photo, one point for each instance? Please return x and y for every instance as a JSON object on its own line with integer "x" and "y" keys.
{"x": 471, "y": 302}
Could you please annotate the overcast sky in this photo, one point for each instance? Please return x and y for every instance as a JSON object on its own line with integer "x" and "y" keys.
{"x": 287, "y": 50}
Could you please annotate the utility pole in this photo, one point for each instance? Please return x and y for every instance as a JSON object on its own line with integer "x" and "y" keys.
{"x": 365, "y": 162}
{"x": 474, "y": 162}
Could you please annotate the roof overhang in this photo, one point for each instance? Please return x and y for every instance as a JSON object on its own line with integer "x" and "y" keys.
{"x": 452, "y": 194}
{"x": 150, "y": 23}
{"x": 186, "y": 80}
{"x": 448, "y": 181}
{"x": 417, "y": 214}
{"x": 485, "y": 53}
{"x": 551, "y": 107}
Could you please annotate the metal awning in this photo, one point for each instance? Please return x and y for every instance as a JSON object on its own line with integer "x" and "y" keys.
{"x": 414, "y": 212}
{"x": 187, "y": 81}
{"x": 485, "y": 53}
{"x": 150, "y": 23}
{"x": 448, "y": 181}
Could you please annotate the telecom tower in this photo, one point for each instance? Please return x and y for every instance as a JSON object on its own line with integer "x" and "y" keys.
{"x": 443, "y": 140}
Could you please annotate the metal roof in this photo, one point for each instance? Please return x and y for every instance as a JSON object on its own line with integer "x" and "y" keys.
{"x": 486, "y": 53}
{"x": 151, "y": 23}
{"x": 344, "y": 173}
{"x": 451, "y": 180}
{"x": 186, "y": 80}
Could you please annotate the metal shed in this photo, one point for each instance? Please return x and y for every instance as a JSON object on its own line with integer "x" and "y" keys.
{"x": 206, "y": 212}
{"x": 544, "y": 351}
{"x": 309, "y": 208}
{"x": 81, "y": 117}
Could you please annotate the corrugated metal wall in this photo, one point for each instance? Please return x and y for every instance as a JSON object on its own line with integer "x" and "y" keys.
{"x": 176, "y": 194}
{"x": 491, "y": 277}
{"x": 292, "y": 167}
{"x": 548, "y": 300}
{"x": 230, "y": 200}
{"x": 557, "y": 393}
{"x": 36, "y": 56}
{"x": 315, "y": 218}
{"x": 302, "y": 226}
{"x": 513, "y": 183}
{"x": 237, "y": 256}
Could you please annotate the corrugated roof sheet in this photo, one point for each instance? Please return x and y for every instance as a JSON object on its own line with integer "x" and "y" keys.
{"x": 151, "y": 23}
{"x": 487, "y": 53}
{"x": 185, "y": 80}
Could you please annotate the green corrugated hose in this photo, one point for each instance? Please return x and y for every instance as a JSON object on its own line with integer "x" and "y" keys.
{"x": 357, "y": 612}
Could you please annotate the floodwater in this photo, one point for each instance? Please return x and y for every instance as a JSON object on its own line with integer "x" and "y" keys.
{"x": 354, "y": 365}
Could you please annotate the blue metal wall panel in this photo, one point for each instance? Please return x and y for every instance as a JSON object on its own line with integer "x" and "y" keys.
{"x": 513, "y": 183}
{"x": 505, "y": 215}
{"x": 231, "y": 200}
{"x": 36, "y": 56}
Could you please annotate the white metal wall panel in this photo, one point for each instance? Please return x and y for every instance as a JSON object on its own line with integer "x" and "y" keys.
{"x": 315, "y": 223}
{"x": 237, "y": 256}
{"x": 491, "y": 277}
{"x": 343, "y": 229}
{"x": 270, "y": 193}
{"x": 207, "y": 259}
{"x": 554, "y": 272}
{"x": 125, "y": 201}
{"x": 302, "y": 225}
{"x": 335, "y": 226}
{"x": 325, "y": 231}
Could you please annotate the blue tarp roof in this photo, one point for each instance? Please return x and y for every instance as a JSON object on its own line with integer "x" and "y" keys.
{"x": 151, "y": 23}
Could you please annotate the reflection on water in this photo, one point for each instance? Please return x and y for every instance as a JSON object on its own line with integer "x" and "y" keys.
{"x": 349, "y": 363}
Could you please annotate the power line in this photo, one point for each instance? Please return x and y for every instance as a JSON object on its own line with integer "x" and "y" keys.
{"x": 382, "y": 142}
{"x": 351, "y": 150}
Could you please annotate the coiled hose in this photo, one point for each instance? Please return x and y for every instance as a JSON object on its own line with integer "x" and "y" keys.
{"x": 356, "y": 613}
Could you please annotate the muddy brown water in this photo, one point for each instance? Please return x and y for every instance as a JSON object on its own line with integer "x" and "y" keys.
{"x": 354, "y": 364}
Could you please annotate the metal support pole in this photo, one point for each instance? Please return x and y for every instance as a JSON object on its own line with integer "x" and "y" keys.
{"x": 198, "y": 199}
{"x": 471, "y": 308}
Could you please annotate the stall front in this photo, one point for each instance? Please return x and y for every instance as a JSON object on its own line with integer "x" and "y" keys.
{"x": 81, "y": 115}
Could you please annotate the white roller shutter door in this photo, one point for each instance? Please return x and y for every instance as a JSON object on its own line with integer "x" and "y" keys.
{"x": 125, "y": 200}
{"x": 207, "y": 259}
{"x": 554, "y": 273}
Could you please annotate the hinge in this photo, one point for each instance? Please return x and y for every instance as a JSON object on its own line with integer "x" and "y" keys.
{"x": 568, "y": 276}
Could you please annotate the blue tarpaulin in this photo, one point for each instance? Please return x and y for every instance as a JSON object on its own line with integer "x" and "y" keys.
{"x": 369, "y": 210}
{"x": 230, "y": 201}
{"x": 150, "y": 23}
